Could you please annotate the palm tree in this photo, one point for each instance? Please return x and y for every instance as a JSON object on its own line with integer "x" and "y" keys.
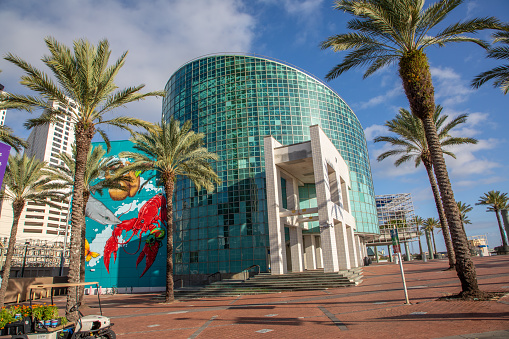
{"x": 24, "y": 182}
{"x": 398, "y": 31}
{"x": 496, "y": 201}
{"x": 429, "y": 225}
{"x": 464, "y": 209}
{"x": 500, "y": 73}
{"x": 173, "y": 151}
{"x": 94, "y": 182}
{"x": 6, "y": 134}
{"x": 7, "y": 137}
{"x": 411, "y": 144}
{"x": 418, "y": 222}
{"x": 84, "y": 79}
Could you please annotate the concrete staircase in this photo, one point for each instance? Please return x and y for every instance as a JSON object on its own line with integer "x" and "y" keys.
{"x": 267, "y": 283}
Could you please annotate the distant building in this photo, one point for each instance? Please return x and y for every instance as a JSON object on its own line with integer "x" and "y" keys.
{"x": 479, "y": 243}
{"x": 38, "y": 220}
{"x": 3, "y": 112}
{"x": 395, "y": 211}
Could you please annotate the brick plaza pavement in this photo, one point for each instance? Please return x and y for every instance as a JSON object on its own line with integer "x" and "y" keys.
{"x": 374, "y": 309}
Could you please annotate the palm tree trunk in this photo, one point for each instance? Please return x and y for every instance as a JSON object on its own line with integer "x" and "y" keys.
{"x": 428, "y": 241}
{"x": 416, "y": 77}
{"x": 83, "y": 262}
{"x": 502, "y": 231}
{"x": 434, "y": 243}
{"x": 83, "y": 136}
{"x": 441, "y": 215}
{"x": 17, "y": 208}
{"x": 168, "y": 187}
{"x": 420, "y": 247}
{"x": 464, "y": 266}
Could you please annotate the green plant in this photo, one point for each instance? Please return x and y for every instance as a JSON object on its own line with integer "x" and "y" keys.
{"x": 38, "y": 312}
{"x": 50, "y": 312}
{"x": 6, "y": 316}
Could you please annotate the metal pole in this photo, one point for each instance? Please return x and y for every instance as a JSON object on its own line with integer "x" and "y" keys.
{"x": 403, "y": 278}
{"x": 24, "y": 260}
{"x": 62, "y": 257}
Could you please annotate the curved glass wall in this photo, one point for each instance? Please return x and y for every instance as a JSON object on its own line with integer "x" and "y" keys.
{"x": 236, "y": 100}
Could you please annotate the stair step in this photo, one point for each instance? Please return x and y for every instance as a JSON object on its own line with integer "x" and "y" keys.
{"x": 264, "y": 283}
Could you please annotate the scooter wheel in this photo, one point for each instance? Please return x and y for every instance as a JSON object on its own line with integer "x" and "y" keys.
{"x": 108, "y": 334}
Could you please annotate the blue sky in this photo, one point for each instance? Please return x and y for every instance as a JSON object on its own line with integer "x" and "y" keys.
{"x": 162, "y": 35}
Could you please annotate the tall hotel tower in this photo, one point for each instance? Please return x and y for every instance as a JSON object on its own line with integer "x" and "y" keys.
{"x": 39, "y": 221}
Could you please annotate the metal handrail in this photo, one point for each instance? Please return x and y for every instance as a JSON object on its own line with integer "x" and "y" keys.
{"x": 213, "y": 274}
{"x": 246, "y": 271}
{"x": 181, "y": 282}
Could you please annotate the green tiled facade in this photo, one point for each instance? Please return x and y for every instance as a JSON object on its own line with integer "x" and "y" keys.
{"x": 236, "y": 100}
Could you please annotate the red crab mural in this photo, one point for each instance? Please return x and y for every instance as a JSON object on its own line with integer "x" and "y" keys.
{"x": 152, "y": 219}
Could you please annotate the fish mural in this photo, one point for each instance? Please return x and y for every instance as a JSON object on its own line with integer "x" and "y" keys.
{"x": 97, "y": 211}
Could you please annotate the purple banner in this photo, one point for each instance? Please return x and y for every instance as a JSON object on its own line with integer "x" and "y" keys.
{"x": 4, "y": 157}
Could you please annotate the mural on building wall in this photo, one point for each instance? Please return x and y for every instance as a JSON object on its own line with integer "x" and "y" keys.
{"x": 130, "y": 226}
{"x": 152, "y": 219}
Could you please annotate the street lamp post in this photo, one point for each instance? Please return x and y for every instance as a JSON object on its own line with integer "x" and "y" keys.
{"x": 62, "y": 257}
{"x": 24, "y": 260}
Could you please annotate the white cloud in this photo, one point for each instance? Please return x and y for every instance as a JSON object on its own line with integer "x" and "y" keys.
{"x": 471, "y": 6}
{"x": 386, "y": 167}
{"x": 127, "y": 207}
{"x": 482, "y": 181}
{"x": 450, "y": 89}
{"x": 160, "y": 36}
{"x": 475, "y": 124}
{"x": 374, "y": 131}
{"x": 300, "y": 8}
{"x": 306, "y": 14}
{"x": 395, "y": 91}
{"x": 466, "y": 163}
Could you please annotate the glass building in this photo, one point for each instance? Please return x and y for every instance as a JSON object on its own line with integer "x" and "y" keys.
{"x": 237, "y": 100}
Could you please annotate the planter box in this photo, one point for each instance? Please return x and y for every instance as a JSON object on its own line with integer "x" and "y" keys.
{"x": 19, "y": 327}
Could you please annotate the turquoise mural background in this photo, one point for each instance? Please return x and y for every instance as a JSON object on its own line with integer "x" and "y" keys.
{"x": 123, "y": 272}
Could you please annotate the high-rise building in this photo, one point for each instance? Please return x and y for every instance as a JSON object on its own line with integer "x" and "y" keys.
{"x": 236, "y": 101}
{"x": 45, "y": 143}
{"x": 3, "y": 112}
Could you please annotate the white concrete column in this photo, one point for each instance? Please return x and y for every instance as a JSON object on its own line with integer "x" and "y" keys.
{"x": 292, "y": 193}
{"x": 309, "y": 242}
{"x": 360, "y": 251}
{"x": 352, "y": 247}
{"x": 343, "y": 246}
{"x": 319, "y": 252}
{"x": 276, "y": 229}
{"x": 323, "y": 198}
{"x": 296, "y": 248}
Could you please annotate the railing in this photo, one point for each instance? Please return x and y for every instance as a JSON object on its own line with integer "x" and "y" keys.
{"x": 246, "y": 271}
{"x": 181, "y": 282}
{"x": 213, "y": 275}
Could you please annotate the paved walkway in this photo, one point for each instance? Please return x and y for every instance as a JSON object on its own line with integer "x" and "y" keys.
{"x": 374, "y": 309}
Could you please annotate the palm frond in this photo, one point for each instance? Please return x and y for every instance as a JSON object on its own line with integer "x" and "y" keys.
{"x": 7, "y": 137}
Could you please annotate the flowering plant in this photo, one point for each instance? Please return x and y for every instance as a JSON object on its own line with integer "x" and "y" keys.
{"x": 18, "y": 312}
